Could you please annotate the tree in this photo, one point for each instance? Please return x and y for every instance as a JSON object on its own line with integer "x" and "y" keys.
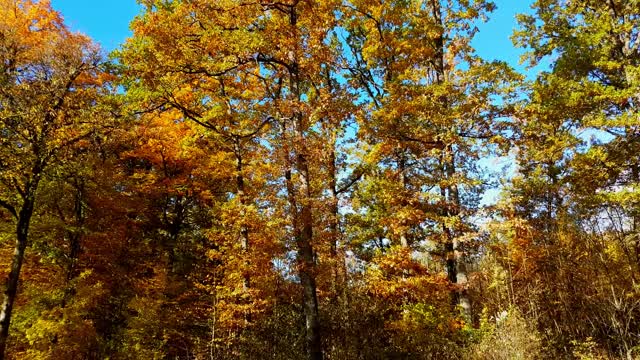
{"x": 596, "y": 75}
{"x": 431, "y": 118}
{"x": 251, "y": 71}
{"x": 302, "y": 179}
{"x": 51, "y": 83}
{"x": 569, "y": 216}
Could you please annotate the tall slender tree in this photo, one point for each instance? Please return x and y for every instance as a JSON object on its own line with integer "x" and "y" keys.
{"x": 432, "y": 119}
{"x": 50, "y": 83}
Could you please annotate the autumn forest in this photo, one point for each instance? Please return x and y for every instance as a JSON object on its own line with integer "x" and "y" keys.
{"x": 319, "y": 179}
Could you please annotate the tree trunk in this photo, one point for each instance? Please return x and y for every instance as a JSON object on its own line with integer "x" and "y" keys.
{"x": 11, "y": 288}
{"x": 308, "y": 265}
{"x": 456, "y": 268}
{"x": 304, "y": 233}
{"x": 402, "y": 168}
{"x": 635, "y": 214}
{"x": 75, "y": 238}
{"x": 302, "y": 223}
{"x": 337, "y": 259}
{"x": 244, "y": 230}
{"x": 455, "y": 262}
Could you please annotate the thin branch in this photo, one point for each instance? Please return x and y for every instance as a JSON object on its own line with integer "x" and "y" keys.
{"x": 345, "y": 185}
{"x": 9, "y": 207}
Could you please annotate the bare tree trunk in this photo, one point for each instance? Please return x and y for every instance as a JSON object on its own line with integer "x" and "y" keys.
{"x": 11, "y": 287}
{"x": 402, "y": 167}
{"x": 456, "y": 266}
{"x": 455, "y": 262}
{"x": 75, "y": 238}
{"x": 308, "y": 266}
{"x": 244, "y": 230}
{"x": 302, "y": 223}
{"x": 635, "y": 215}
{"x": 304, "y": 233}
{"x": 333, "y": 221}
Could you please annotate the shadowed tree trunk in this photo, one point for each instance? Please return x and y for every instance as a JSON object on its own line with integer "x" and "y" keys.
{"x": 304, "y": 230}
{"x": 22, "y": 236}
{"x": 455, "y": 262}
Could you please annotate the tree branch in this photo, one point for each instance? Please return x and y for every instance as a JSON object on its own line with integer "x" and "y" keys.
{"x": 9, "y": 207}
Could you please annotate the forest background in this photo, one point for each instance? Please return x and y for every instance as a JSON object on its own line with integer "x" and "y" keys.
{"x": 320, "y": 179}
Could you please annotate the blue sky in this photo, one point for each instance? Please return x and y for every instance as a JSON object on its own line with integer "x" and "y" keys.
{"x": 493, "y": 42}
{"x": 107, "y": 22}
